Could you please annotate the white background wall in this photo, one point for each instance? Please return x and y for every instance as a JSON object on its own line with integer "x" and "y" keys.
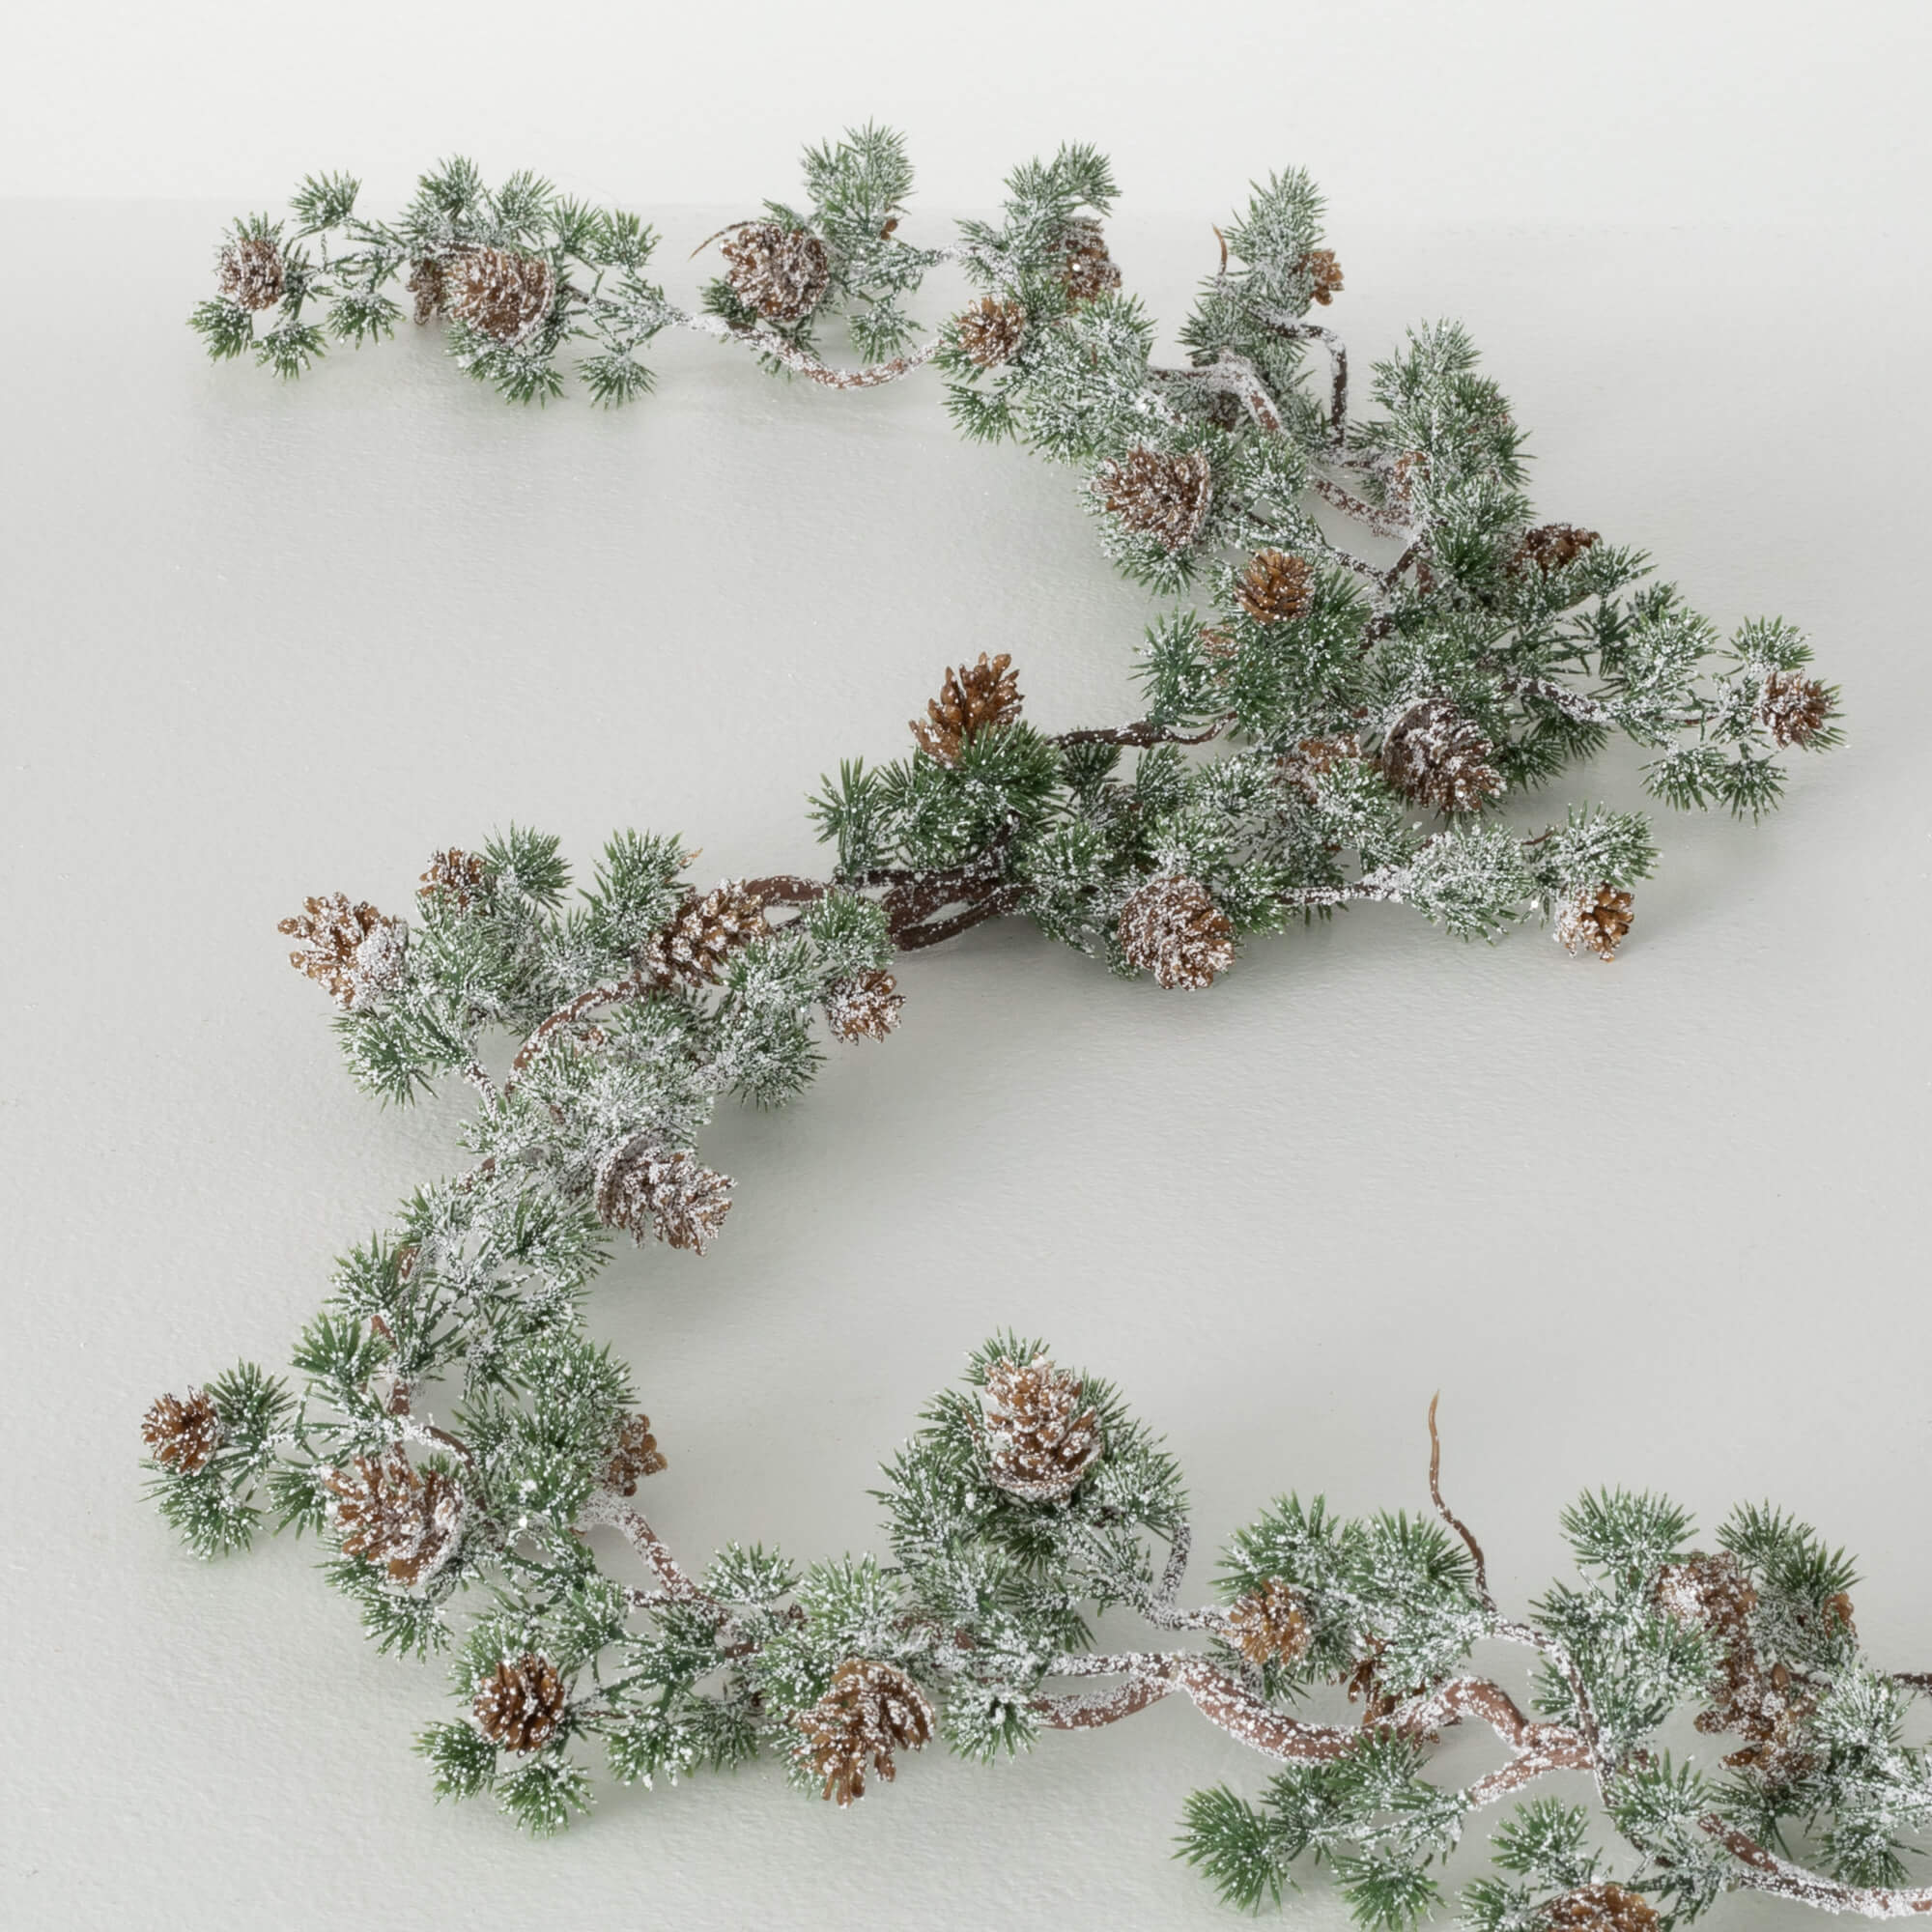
{"x": 1655, "y": 1223}
{"x": 1658, "y": 111}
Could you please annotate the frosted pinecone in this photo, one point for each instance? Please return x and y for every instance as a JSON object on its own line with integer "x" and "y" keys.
{"x": 647, "y": 1190}
{"x": 1171, "y": 927}
{"x": 250, "y": 271}
{"x": 353, "y": 952}
{"x": 1324, "y": 275}
{"x": 1794, "y": 709}
{"x": 974, "y": 699}
{"x": 870, "y": 1711}
{"x": 1437, "y": 757}
{"x": 1040, "y": 1441}
{"x": 634, "y": 1455}
{"x": 1086, "y": 269}
{"x": 1600, "y": 1908}
{"x": 1157, "y": 493}
{"x": 1268, "y": 1625}
{"x": 1276, "y": 588}
{"x": 990, "y": 331}
{"x": 1596, "y": 920}
{"x": 863, "y": 1008}
{"x": 694, "y": 949}
{"x": 387, "y": 1512}
{"x": 781, "y": 272}
{"x": 1551, "y": 545}
{"x": 502, "y": 293}
{"x": 455, "y": 877}
{"x": 182, "y": 1434}
{"x": 521, "y": 1703}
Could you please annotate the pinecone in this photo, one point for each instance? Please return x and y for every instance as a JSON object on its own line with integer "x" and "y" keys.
{"x": 504, "y": 293}
{"x": 1276, "y": 588}
{"x": 183, "y": 1434}
{"x": 1157, "y": 495}
{"x": 455, "y": 875}
{"x": 691, "y": 951}
{"x": 1550, "y": 547}
{"x": 1268, "y": 1625}
{"x": 353, "y": 952}
{"x": 869, "y": 1711}
{"x": 636, "y": 1455}
{"x": 866, "y": 1007}
{"x": 1597, "y": 917}
{"x": 387, "y": 1512}
{"x": 1171, "y": 927}
{"x": 974, "y": 699}
{"x": 1040, "y": 1442}
{"x": 1794, "y": 709}
{"x": 990, "y": 331}
{"x": 1435, "y": 756}
{"x": 1600, "y": 1908}
{"x": 645, "y": 1191}
{"x": 1324, "y": 272}
{"x": 781, "y": 272}
{"x": 1086, "y": 270}
{"x": 519, "y": 1705}
{"x": 429, "y": 283}
{"x": 1314, "y": 758}
{"x": 250, "y": 270}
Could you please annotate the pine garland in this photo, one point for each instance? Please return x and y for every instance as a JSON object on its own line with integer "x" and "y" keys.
{"x": 1333, "y": 730}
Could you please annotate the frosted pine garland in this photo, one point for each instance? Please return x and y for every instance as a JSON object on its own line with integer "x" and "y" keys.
{"x": 1335, "y": 723}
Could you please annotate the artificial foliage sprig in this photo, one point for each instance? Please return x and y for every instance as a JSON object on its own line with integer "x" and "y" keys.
{"x": 1329, "y": 723}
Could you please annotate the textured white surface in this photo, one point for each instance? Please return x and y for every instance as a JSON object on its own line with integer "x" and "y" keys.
{"x": 1657, "y": 1223}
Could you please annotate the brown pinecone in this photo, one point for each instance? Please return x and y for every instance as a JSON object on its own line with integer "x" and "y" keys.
{"x": 990, "y": 331}
{"x": 183, "y": 1434}
{"x": 1550, "y": 547}
{"x": 352, "y": 952}
{"x": 869, "y": 1711}
{"x": 1171, "y": 927}
{"x": 781, "y": 272}
{"x": 691, "y": 951}
{"x": 1268, "y": 1625}
{"x": 974, "y": 699}
{"x": 519, "y": 1705}
{"x": 456, "y": 875}
{"x": 1086, "y": 269}
{"x": 501, "y": 292}
{"x": 429, "y": 283}
{"x": 1435, "y": 756}
{"x": 251, "y": 273}
{"x": 645, "y": 1191}
{"x": 866, "y": 1007}
{"x": 1157, "y": 495}
{"x": 1276, "y": 588}
{"x": 1324, "y": 272}
{"x": 1040, "y": 1442}
{"x": 1600, "y": 1908}
{"x": 1314, "y": 758}
{"x": 1597, "y": 917}
{"x": 1794, "y": 709}
{"x": 636, "y": 1455}
{"x": 387, "y": 1512}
